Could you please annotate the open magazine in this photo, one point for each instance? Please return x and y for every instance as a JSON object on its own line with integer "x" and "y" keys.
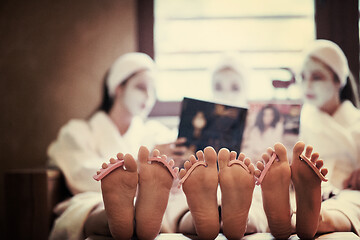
{"x": 269, "y": 122}
{"x": 211, "y": 124}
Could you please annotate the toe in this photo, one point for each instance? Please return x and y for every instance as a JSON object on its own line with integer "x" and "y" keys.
{"x": 187, "y": 165}
{"x": 247, "y": 161}
{"x": 319, "y": 163}
{"x": 143, "y": 154}
{"x": 308, "y": 151}
{"x": 104, "y": 165}
{"x": 120, "y": 156}
{"x": 260, "y": 166}
{"x": 298, "y": 149}
{"x": 182, "y": 173}
{"x": 280, "y": 151}
{"x": 314, "y": 157}
{"x": 257, "y": 173}
{"x": 265, "y": 157}
{"x": 241, "y": 156}
{"x": 155, "y": 153}
{"x": 200, "y": 155}
{"x": 130, "y": 163}
{"x": 251, "y": 168}
{"x": 224, "y": 158}
{"x": 324, "y": 171}
{"x": 210, "y": 156}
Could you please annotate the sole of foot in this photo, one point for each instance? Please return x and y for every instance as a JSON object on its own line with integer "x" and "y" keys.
{"x": 200, "y": 189}
{"x": 275, "y": 191}
{"x": 118, "y": 190}
{"x": 237, "y": 186}
{"x": 155, "y": 182}
{"x": 307, "y": 190}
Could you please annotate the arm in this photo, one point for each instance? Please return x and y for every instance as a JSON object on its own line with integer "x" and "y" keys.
{"x": 74, "y": 152}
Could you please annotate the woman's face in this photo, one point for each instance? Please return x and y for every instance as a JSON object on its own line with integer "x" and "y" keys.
{"x": 319, "y": 87}
{"x": 227, "y": 86}
{"x": 268, "y": 116}
{"x": 139, "y": 93}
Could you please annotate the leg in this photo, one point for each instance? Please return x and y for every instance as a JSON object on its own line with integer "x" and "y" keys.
{"x": 200, "y": 189}
{"x": 155, "y": 183}
{"x": 237, "y": 186}
{"x": 307, "y": 190}
{"x": 97, "y": 223}
{"x": 333, "y": 221}
{"x": 118, "y": 190}
{"x": 275, "y": 192}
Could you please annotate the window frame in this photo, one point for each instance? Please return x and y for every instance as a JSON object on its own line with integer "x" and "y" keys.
{"x": 334, "y": 20}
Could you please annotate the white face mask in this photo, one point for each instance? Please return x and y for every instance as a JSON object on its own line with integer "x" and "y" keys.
{"x": 139, "y": 94}
{"x": 228, "y": 87}
{"x": 318, "y": 84}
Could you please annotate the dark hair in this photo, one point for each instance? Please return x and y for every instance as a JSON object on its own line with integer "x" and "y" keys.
{"x": 350, "y": 91}
{"x": 107, "y": 101}
{"x": 259, "y": 118}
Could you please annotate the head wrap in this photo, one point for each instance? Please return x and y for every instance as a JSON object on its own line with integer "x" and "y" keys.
{"x": 125, "y": 66}
{"x": 230, "y": 60}
{"x": 331, "y": 54}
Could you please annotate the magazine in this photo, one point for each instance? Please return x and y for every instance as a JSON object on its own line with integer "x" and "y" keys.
{"x": 213, "y": 124}
{"x": 269, "y": 122}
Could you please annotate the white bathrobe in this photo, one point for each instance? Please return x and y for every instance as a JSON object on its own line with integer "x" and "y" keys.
{"x": 337, "y": 139}
{"x": 79, "y": 151}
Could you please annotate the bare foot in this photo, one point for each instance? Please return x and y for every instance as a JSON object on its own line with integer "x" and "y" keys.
{"x": 307, "y": 190}
{"x": 118, "y": 190}
{"x": 237, "y": 186}
{"x": 200, "y": 189}
{"x": 155, "y": 182}
{"x": 275, "y": 192}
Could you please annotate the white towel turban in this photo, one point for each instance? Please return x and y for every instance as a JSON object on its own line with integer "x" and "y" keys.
{"x": 125, "y": 66}
{"x": 332, "y": 55}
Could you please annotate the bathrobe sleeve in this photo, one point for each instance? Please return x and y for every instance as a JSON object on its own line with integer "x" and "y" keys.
{"x": 74, "y": 152}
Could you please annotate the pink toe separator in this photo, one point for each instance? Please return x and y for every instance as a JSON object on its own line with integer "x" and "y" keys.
{"x": 267, "y": 167}
{"x": 166, "y": 164}
{"x": 313, "y": 167}
{"x": 241, "y": 163}
{"x": 195, "y": 165}
{"x": 111, "y": 167}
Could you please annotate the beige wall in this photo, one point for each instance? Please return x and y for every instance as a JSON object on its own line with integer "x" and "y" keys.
{"x": 53, "y": 56}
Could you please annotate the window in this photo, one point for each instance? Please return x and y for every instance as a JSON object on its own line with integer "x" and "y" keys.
{"x": 190, "y": 36}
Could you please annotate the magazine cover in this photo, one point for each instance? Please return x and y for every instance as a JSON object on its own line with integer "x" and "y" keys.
{"x": 211, "y": 124}
{"x": 268, "y": 123}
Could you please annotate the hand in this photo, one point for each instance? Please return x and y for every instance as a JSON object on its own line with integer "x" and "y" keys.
{"x": 175, "y": 151}
{"x": 353, "y": 182}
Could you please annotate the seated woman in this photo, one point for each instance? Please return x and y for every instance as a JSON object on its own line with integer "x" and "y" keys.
{"x": 229, "y": 80}
{"x": 330, "y": 122}
{"x": 119, "y": 125}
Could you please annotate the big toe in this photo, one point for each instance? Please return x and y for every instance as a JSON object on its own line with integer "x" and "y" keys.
{"x": 130, "y": 163}
{"x": 210, "y": 156}
{"x": 280, "y": 151}
{"x": 143, "y": 154}
{"x": 298, "y": 149}
{"x": 224, "y": 157}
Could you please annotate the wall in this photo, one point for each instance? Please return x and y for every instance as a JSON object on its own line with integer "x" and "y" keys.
{"x": 53, "y": 56}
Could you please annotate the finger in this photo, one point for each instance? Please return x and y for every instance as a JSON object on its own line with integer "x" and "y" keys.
{"x": 180, "y": 140}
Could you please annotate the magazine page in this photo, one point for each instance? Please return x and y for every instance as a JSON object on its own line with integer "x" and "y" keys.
{"x": 269, "y": 122}
{"x": 213, "y": 124}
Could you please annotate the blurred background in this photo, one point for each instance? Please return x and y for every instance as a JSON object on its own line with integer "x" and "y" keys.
{"x": 54, "y": 55}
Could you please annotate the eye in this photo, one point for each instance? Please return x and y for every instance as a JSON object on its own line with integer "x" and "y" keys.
{"x": 317, "y": 77}
{"x": 141, "y": 87}
{"x": 235, "y": 87}
{"x": 218, "y": 87}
